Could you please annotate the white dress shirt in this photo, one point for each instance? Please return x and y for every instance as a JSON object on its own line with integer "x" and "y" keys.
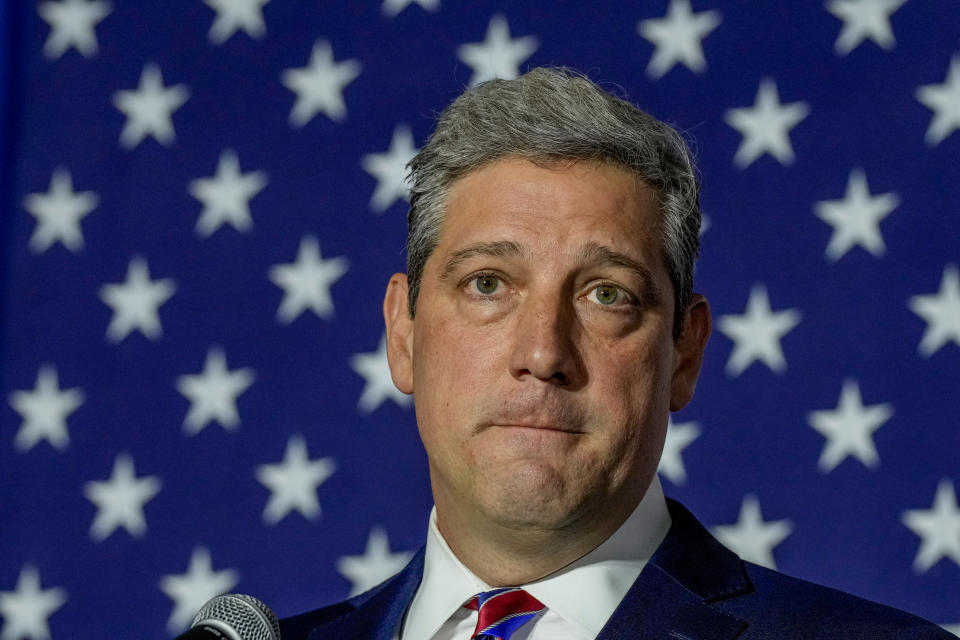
{"x": 579, "y": 598}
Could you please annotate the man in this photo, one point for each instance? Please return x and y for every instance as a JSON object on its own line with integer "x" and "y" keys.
{"x": 546, "y": 327}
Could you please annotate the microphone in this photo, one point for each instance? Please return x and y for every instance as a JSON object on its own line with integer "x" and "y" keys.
{"x": 233, "y": 616}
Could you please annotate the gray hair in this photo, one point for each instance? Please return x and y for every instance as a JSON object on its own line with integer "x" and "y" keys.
{"x": 549, "y": 115}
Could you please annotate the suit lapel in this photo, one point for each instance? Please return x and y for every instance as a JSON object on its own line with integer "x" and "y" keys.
{"x": 377, "y": 615}
{"x": 673, "y": 595}
{"x": 659, "y": 608}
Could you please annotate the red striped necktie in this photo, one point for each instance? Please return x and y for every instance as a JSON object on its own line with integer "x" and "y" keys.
{"x": 502, "y": 611}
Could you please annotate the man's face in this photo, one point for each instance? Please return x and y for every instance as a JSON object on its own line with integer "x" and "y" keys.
{"x": 541, "y": 355}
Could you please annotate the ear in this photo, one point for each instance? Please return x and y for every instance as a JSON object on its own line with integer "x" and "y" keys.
{"x": 399, "y": 331}
{"x": 688, "y": 351}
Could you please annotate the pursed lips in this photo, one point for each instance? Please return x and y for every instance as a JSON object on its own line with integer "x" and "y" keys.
{"x": 543, "y": 412}
{"x": 541, "y": 426}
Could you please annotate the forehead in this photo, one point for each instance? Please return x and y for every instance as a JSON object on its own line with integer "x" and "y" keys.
{"x": 557, "y": 205}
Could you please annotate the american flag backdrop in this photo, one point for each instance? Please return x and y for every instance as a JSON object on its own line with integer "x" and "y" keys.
{"x": 202, "y": 203}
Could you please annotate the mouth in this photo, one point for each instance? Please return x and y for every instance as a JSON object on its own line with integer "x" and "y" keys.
{"x": 538, "y": 426}
{"x": 535, "y": 412}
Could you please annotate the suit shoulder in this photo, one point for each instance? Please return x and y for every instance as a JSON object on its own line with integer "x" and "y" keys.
{"x": 361, "y": 616}
{"x": 787, "y": 607}
{"x": 300, "y": 625}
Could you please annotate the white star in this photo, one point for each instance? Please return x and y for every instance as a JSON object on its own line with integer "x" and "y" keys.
{"x": 236, "y": 14}
{"x": 45, "y": 411}
{"x": 751, "y": 538}
{"x": 149, "y": 108}
{"x": 679, "y": 435}
{"x": 944, "y": 100}
{"x": 213, "y": 393}
{"x": 226, "y": 196}
{"x": 72, "y": 24}
{"x": 678, "y": 37}
{"x": 306, "y": 283}
{"x": 393, "y": 7}
{"x": 319, "y": 85}
{"x": 864, "y": 19}
{"x": 856, "y": 218}
{"x": 26, "y": 609}
{"x": 757, "y": 333}
{"x": 120, "y": 500}
{"x": 293, "y": 483}
{"x": 941, "y": 311}
{"x": 849, "y": 429}
{"x": 766, "y": 126}
{"x": 375, "y": 565}
{"x": 59, "y": 212}
{"x": 136, "y": 301}
{"x": 189, "y": 591}
{"x": 379, "y": 385}
{"x": 498, "y": 56}
{"x": 390, "y": 169}
{"x": 938, "y": 528}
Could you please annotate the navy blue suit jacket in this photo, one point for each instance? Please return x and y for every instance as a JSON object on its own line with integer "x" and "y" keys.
{"x": 693, "y": 588}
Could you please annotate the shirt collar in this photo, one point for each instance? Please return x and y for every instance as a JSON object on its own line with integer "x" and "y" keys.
{"x": 585, "y": 592}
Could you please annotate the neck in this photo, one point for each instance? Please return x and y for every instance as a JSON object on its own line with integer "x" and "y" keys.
{"x": 505, "y": 555}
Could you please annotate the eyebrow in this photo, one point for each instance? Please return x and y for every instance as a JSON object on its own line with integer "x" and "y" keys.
{"x": 590, "y": 253}
{"x": 498, "y": 249}
{"x": 604, "y": 255}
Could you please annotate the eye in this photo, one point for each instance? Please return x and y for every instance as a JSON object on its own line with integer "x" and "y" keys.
{"x": 609, "y": 295}
{"x": 486, "y": 283}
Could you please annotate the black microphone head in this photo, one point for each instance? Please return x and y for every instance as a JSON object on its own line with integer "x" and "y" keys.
{"x": 240, "y": 616}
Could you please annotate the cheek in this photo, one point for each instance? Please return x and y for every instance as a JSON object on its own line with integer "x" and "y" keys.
{"x": 457, "y": 355}
{"x": 454, "y": 367}
{"x": 636, "y": 394}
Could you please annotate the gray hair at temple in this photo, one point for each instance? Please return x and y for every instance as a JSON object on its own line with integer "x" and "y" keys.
{"x": 550, "y": 115}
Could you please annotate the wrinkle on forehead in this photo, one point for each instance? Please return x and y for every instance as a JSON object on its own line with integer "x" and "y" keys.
{"x": 529, "y": 194}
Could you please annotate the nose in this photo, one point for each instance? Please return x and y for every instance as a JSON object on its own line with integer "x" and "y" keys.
{"x": 545, "y": 342}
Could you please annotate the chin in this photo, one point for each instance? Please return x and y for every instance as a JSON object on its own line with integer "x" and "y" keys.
{"x": 532, "y": 497}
